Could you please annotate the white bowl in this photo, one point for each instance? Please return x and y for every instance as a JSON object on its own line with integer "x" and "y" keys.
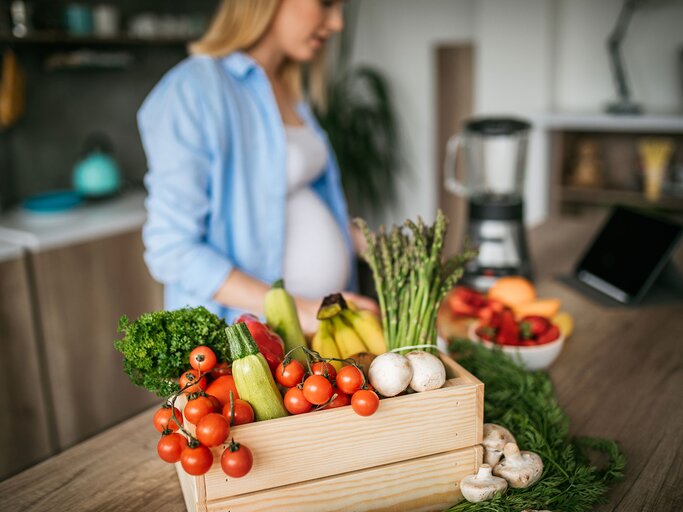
{"x": 533, "y": 358}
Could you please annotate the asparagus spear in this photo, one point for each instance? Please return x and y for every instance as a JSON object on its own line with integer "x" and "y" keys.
{"x": 411, "y": 277}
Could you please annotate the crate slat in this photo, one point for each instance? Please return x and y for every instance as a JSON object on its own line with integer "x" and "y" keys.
{"x": 426, "y": 484}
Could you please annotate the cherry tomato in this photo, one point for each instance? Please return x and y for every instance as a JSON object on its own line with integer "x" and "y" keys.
{"x": 290, "y": 375}
{"x": 349, "y": 380}
{"x": 365, "y": 402}
{"x": 171, "y": 446}
{"x": 163, "y": 421}
{"x": 340, "y": 400}
{"x": 295, "y": 401}
{"x": 221, "y": 369}
{"x": 317, "y": 389}
{"x": 212, "y": 429}
{"x": 203, "y": 359}
{"x": 236, "y": 460}
{"x": 325, "y": 369}
{"x": 189, "y": 377}
{"x": 221, "y": 388}
{"x": 550, "y": 335}
{"x": 243, "y": 412}
{"x": 196, "y": 461}
{"x": 197, "y": 408}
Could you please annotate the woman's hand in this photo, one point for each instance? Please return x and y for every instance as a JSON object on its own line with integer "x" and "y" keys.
{"x": 308, "y": 314}
{"x": 362, "y": 302}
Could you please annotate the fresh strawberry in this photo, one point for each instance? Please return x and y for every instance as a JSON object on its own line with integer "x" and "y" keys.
{"x": 509, "y": 330}
{"x": 550, "y": 335}
{"x": 507, "y": 339}
{"x": 535, "y": 325}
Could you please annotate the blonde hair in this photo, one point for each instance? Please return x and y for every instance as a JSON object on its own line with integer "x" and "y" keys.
{"x": 240, "y": 24}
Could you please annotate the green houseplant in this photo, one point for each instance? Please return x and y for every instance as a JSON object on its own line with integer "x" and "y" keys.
{"x": 360, "y": 120}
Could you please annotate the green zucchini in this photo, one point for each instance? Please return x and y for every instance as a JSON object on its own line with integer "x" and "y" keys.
{"x": 252, "y": 375}
{"x": 282, "y": 317}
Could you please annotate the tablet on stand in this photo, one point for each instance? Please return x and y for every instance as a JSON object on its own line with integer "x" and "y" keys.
{"x": 629, "y": 255}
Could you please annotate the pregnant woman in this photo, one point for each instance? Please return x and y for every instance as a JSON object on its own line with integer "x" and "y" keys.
{"x": 243, "y": 187}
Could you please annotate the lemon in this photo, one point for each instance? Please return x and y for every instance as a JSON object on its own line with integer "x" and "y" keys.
{"x": 565, "y": 322}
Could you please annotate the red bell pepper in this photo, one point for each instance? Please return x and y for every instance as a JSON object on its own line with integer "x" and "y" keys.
{"x": 269, "y": 343}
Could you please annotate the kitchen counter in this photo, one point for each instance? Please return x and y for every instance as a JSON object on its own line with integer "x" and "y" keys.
{"x": 9, "y": 251}
{"x": 620, "y": 376}
{"x": 93, "y": 220}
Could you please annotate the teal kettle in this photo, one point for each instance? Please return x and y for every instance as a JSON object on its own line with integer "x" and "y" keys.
{"x": 97, "y": 174}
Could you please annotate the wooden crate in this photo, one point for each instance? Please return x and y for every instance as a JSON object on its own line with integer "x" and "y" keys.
{"x": 410, "y": 455}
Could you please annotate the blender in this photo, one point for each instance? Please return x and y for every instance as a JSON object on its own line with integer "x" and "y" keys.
{"x": 492, "y": 183}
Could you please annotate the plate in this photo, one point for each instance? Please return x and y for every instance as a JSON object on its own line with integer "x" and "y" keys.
{"x": 52, "y": 202}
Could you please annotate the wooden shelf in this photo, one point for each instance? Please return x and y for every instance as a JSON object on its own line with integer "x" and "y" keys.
{"x": 611, "y": 123}
{"x": 601, "y": 197}
{"x": 58, "y": 38}
{"x": 617, "y": 140}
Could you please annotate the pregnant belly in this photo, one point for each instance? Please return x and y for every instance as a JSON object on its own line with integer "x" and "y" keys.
{"x": 316, "y": 262}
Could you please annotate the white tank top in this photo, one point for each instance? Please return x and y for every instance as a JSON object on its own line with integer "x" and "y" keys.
{"x": 316, "y": 262}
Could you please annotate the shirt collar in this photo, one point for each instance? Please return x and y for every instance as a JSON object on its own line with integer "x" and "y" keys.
{"x": 240, "y": 64}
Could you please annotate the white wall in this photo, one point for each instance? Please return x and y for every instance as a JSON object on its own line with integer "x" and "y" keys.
{"x": 651, "y": 52}
{"x": 514, "y": 76}
{"x": 398, "y": 36}
{"x": 531, "y": 56}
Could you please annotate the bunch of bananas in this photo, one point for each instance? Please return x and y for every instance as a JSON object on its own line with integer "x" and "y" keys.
{"x": 344, "y": 331}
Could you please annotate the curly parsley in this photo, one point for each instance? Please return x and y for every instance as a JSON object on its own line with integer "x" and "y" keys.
{"x": 157, "y": 345}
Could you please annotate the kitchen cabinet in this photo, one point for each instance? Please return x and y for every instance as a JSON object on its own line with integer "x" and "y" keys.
{"x": 25, "y": 434}
{"x": 82, "y": 290}
{"x": 84, "y": 270}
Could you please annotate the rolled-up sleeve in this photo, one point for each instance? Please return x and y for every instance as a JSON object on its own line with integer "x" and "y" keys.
{"x": 178, "y": 183}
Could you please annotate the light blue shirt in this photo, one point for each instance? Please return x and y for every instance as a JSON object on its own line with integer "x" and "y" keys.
{"x": 216, "y": 152}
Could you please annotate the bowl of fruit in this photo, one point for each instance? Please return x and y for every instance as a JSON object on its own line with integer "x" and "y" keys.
{"x": 533, "y": 339}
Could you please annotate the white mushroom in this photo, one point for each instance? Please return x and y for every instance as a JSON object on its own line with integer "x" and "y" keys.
{"x": 390, "y": 373}
{"x": 428, "y": 371}
{"x": 520, "y": 469}
{"x": 495, "y": 439}
{"x": 482, "y": 486}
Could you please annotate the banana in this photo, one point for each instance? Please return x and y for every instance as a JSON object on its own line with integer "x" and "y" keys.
{"x": 347, "y": 339}
{"x": 323, "y": 343}
{"x": 281, "y": 315}
{"x": 352, "y": 305}
{"x": 368, "y": 328}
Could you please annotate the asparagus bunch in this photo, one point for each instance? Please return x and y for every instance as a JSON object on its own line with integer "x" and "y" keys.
{"x": 411, "y": 277}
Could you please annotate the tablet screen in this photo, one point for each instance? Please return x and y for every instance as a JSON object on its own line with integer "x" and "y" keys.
{"x": 627, "y": 253}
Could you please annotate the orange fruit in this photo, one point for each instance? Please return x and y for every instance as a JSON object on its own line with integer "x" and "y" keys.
{"x": 546, "y": 308}
{"x": 512, "y": 291}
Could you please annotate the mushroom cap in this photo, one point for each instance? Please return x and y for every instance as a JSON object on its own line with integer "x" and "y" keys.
{"x": 520, "y": 469}
{"x": 390, "y": 373}
{"x": 496, "y": 437}
{"x": 482, "y": 486}
{"x": 428, "y": 371}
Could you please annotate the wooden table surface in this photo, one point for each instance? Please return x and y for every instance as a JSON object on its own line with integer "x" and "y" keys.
{"x": 620, "y": 376}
